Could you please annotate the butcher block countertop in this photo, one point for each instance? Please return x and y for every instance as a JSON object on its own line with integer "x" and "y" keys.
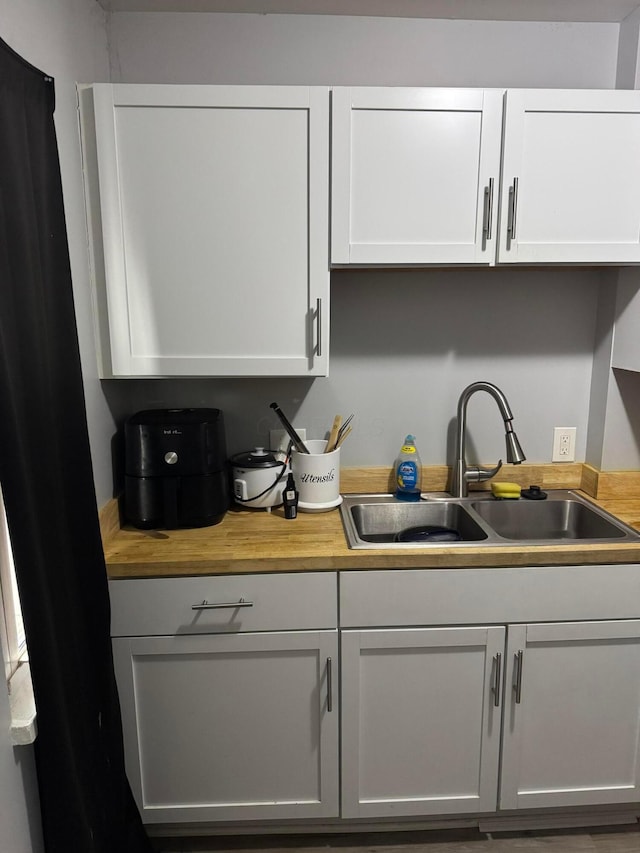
{"x": 250, "y": 541}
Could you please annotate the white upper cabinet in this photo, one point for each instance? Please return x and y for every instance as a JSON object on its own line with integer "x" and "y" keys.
{"x": 414, "y": 175}
{"x": 213, "y": 219}
{"x": 570, "y": 177}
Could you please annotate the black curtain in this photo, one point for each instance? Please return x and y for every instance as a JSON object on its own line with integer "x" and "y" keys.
{"x": 47, "y": 481}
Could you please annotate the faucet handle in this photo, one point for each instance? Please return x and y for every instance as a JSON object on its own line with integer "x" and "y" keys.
{"x": 475, "y": 474}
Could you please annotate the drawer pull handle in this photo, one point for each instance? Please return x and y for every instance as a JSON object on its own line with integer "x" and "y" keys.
{"x": 518, "y": 661}
{"x": 222, "y": 605}
{"x": 319, "y": 324}
{"x": 512, "y": 212}
{"x": 329, "y": 685}
{"x": 488, "y": 211}
{"x": 495, "y": 687}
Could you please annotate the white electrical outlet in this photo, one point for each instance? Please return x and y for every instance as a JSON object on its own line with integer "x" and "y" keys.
{"x": 279, "y": 438}
{"x": 564, "y": 444}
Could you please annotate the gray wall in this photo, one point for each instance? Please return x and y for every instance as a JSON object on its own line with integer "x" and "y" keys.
{"x": 67, "y": 39}
{"x": 313, "y": 49}
{"x": 403, "y": 346}
{"x": 529, "y": 331}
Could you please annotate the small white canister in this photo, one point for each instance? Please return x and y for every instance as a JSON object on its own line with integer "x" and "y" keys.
{"x": 317, "y": 476}
{"x": 258, "y": 478}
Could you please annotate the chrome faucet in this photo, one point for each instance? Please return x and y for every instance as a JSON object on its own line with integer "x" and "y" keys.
{"x": 464, "y": 474}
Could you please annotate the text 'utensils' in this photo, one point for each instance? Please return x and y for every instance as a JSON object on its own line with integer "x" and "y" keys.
{"x": 298, "y": 443}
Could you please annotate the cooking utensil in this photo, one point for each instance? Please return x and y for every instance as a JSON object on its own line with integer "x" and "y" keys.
{"x": 341, "y": 437}
{"x": 343, "y": 429}
{"x": 333, "y": 435}
{"x": 298, "y": 443}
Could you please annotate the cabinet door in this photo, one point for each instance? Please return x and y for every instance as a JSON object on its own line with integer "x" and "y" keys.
{"x": 571, "y": 177}
{"x": 572, "y": 710}
{"x": 420, "y": 721}
{"x": 414, "y": 174}
{"x": 221, "y": 728}
{"x": 214, "y": 209}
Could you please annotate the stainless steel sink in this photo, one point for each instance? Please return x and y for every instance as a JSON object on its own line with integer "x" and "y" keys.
{"x": 374, "y": 521}
{"x": 380, "y": 523}
{"x": 562, "y": 519}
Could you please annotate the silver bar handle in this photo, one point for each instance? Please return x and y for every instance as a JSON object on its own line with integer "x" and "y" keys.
{"x": 222, "y": 605}
{"x": 319, "y": 326}
{"x": 518, "y": 679}
{"x": 329, "y": 685}
{"x": 513, "y": 210}
{"x": 487, "y": 222}
{"x": 495, "y": 687}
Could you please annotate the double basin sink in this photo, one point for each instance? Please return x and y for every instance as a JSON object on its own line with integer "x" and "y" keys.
{"x": 376, "y": 521}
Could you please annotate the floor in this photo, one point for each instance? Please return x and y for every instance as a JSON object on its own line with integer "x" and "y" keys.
{"x": 605, "y": 840}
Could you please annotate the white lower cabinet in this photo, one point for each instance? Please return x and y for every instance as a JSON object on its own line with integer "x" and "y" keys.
{"x": 571, "y": 715}
{"x": 425, "y": 711}
{"x": 518, "y": 698}
{"x": 420, "y": 723}
{"x": 226, "y": 726}
{"x": 454, "y": 694}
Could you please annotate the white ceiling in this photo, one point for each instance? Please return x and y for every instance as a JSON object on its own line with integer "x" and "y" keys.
{"x": 497, "y": 10}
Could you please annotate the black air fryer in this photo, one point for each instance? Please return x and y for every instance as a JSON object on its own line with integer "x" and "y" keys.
{"x": 175, "y": 468}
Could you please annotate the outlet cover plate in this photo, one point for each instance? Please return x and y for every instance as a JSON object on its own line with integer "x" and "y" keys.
{"x": 279, "y": 438}
{"x": 564, "y": 444}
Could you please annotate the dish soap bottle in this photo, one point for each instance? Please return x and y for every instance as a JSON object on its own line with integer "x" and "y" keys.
{"x": 408, "y": 471}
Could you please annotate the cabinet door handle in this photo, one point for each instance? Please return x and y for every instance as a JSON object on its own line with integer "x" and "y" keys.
{"x": 222, "y": 605}
{"x": 487, "y": 222}
{"x": 517, "y": 684}
{"x": 495, "y": 687}
{"x": 513, "y": 210}
{"x": 319, "y": 327}
{"x": 329, "y": 685}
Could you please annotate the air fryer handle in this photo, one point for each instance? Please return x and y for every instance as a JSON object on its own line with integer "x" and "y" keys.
{"x": 170, "y": 502}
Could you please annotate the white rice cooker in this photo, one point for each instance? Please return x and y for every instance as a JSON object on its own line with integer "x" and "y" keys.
{"x": 258, "y": 478}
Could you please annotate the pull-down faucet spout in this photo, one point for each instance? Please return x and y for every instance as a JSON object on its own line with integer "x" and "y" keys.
{"x": 463, "y": 474}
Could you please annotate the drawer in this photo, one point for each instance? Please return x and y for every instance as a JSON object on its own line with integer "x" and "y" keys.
{"x": 406, "y": 597}
{"x": 231, "y": 603}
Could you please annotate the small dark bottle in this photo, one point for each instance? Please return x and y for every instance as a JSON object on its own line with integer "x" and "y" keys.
{"x": 290, "y": 498}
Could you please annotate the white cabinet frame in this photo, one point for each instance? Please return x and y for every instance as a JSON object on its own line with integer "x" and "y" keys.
{"x": 258, "y": 303}
{"x": 434, "y": 202}
{"x": 571, "y": 732}
{"x": 231, "y": 727}
{"x": 421, "y": 714}
{"x": 570, "y": 177}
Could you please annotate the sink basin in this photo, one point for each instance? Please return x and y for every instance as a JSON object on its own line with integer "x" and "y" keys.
{"x": 382, "y": 522}
{"x": 549, "y": 519}
{"x": 374, "y": 521}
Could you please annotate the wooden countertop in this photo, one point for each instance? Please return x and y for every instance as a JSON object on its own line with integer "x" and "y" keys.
{"x": 259, "y": 541}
